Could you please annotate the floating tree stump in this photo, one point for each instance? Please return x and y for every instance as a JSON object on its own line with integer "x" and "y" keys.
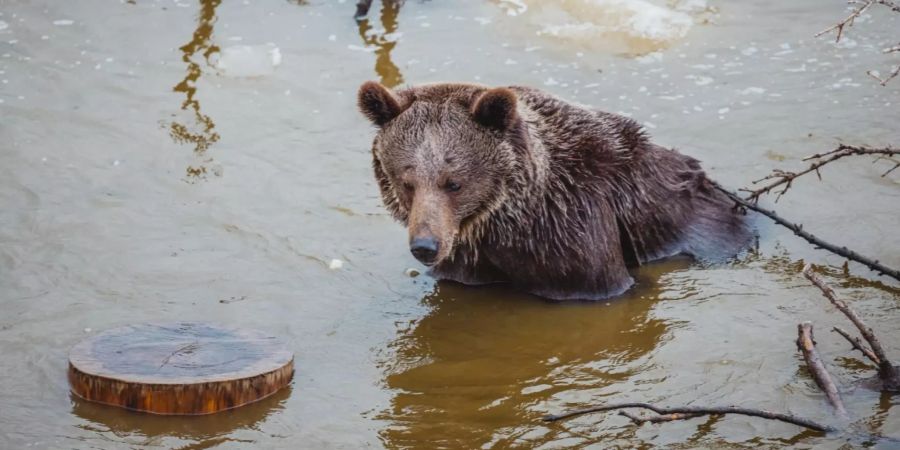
{"x": 179, "y": 368}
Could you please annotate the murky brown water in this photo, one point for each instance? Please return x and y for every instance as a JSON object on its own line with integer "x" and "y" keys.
{"x": 139, "y": 182}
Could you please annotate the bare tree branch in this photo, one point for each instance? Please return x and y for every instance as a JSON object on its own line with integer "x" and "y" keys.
{"x": 807, "y": 346}
{"x": 889, "y": 374}
{"x": 858, "y": 345}
{"x": 687, "y": 412}
{"x": 785, "y": 179}
{"x": 848, "y": 22}
{"x": 819, "y": 243}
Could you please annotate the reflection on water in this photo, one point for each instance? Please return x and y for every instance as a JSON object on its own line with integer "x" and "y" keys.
{"x": 481, "y": 366}
{"x": 200, "y": 43}
{"x": 140, "y": 429}
{"x": 384, "y": 40}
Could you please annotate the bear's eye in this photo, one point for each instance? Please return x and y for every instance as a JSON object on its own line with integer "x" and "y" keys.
{"x": 408, "y": 186}
{"x": 452, "y": 186}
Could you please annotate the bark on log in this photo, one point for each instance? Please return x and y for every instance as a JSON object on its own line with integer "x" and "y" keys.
{"x": 179, "y": 368}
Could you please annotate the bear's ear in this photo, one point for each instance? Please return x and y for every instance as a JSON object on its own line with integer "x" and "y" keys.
{"x": 378, "y": 103}
{"x": 495, "y": 108}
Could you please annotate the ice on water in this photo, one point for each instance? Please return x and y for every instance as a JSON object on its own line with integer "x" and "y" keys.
{"x": 248, "y": 60}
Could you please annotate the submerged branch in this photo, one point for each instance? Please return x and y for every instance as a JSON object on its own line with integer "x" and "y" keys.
{"x": 819, "y": 243}
{"x": 807, "y": 346}
{"x": 889, "y": 374}
{"x": 687, "y": 412}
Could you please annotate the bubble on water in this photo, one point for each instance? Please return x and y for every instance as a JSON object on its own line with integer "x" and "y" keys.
{"x": 550, "y": 82}
{"x": 724, "y": 110}
{"x": 332, "y": 37}
{"x": 63, "y": 22}
{"x": 45, "y": 37}
{"x": 482, "y": 20}
{"x": 335, "y": 264}
{"x": 3, "y": 25}
{"x": 510, "y": 62}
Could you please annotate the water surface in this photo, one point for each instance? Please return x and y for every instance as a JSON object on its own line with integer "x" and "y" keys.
{"x": 142, "y": 180}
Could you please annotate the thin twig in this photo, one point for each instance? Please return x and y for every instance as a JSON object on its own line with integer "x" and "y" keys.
{"x": 858, "y": 345}
{"x": 889, "y": 374}
{"x": 697, "y": 411}
{"x": 786, "y": 179}
{"x": 807, "y": 346}
{"x": 799, "y": 231}
{"x": 884, "y": 81}
{"x": 848, "y": 22}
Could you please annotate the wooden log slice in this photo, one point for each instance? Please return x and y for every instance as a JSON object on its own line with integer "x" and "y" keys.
{"x": 179, "y": 368}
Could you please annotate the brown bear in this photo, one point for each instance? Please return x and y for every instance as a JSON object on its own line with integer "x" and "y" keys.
{"x": 514, "y": 185}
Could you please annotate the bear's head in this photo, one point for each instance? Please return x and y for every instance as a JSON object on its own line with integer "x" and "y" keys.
{"x": 443, "y": 156}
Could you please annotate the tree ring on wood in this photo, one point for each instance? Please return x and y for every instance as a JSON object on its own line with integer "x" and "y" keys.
{"x": 179, "y": 368}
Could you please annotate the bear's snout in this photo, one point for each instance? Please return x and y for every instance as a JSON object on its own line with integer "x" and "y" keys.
{"x": 425, "y": 249}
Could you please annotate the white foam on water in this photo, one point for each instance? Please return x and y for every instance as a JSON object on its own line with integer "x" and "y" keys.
{"x": 242, "y": 61}
{"x": 630, "y": 26}
{"x": 63, "y": 22}
{"x": 3, "y": 25}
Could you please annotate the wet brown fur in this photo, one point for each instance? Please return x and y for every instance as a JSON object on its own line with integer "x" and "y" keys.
{"x": 557, "y": 199}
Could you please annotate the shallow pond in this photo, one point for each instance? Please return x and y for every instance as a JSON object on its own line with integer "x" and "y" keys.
{"x": 168, "y": 160}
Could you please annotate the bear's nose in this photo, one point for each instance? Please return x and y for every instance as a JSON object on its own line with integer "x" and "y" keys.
{"x": 425, "y": 249}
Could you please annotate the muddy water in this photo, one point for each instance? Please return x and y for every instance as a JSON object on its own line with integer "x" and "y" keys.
{"x": 182, "y": 160}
